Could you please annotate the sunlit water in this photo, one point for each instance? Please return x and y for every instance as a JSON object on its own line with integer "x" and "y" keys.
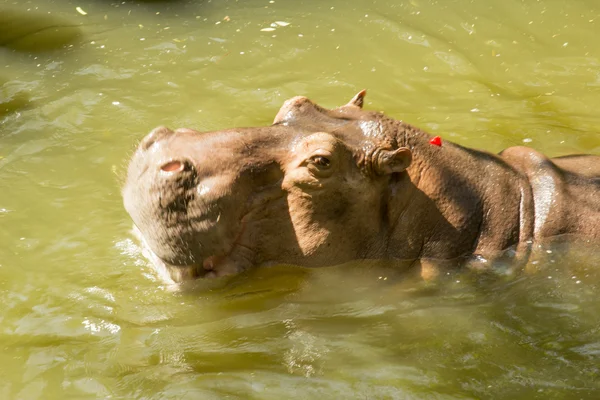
{"x": 85, "y": 316}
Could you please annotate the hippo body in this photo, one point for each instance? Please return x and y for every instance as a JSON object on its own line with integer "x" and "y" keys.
{"x": 324, "y": 187}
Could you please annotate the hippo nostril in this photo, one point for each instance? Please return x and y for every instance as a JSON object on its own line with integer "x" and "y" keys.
{"x": 173, "y": 166}
{"x": 177, "y": 166}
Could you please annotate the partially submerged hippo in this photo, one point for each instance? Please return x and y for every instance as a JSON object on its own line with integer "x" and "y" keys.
{"x": 323, "y": 187}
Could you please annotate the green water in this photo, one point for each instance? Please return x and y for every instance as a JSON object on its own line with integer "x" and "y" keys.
{"x": 83, "y": 314}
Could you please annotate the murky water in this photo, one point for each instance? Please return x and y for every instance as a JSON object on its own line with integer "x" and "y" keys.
{"x": 84, "y": 316}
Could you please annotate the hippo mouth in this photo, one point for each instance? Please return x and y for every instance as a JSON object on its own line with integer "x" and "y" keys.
{"x": 235, "y": 258}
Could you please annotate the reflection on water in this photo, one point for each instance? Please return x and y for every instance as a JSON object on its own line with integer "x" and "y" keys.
{"x": 85, "y": 316}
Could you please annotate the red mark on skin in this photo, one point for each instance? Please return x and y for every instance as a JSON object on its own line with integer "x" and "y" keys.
{"x": 436, "y": 141}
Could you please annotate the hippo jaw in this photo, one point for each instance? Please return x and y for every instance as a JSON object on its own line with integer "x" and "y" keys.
{"x": 182, "y": 273}
{"x": 309, "y": 190}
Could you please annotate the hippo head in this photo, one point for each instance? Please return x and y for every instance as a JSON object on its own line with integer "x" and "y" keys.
{"x": 312, "y": 189}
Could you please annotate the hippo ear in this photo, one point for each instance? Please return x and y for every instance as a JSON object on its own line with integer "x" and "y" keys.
{"x": 390, "y": 161}
{"x": 358, "y": 100}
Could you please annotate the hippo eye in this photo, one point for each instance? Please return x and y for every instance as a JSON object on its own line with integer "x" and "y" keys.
{"x": 320, "y": 161}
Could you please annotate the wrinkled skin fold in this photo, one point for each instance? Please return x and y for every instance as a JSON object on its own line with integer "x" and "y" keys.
{"x": 323, "y": 187}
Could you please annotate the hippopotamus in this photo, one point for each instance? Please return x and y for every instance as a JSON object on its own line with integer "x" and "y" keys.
{"x": 323, "y": 187}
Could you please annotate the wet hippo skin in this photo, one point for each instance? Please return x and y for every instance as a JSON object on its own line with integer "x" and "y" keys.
{"x": 323, "y": 187}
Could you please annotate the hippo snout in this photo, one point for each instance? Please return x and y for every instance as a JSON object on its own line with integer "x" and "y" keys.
{"x": 154, "y": 136}
{"x": 178, "y": 193}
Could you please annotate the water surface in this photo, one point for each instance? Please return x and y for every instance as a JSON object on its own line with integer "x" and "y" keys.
{"x": 84, "y": 316}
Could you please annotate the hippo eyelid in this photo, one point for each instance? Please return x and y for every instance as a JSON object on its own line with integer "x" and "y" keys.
{"x": 322, "y": 153}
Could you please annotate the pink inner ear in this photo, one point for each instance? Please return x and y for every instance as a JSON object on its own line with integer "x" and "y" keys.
{"x": 173, "y": 166}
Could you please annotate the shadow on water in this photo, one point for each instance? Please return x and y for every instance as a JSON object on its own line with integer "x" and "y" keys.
{"x": 32, "y": 31}
{"x": 157, "y": 7}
